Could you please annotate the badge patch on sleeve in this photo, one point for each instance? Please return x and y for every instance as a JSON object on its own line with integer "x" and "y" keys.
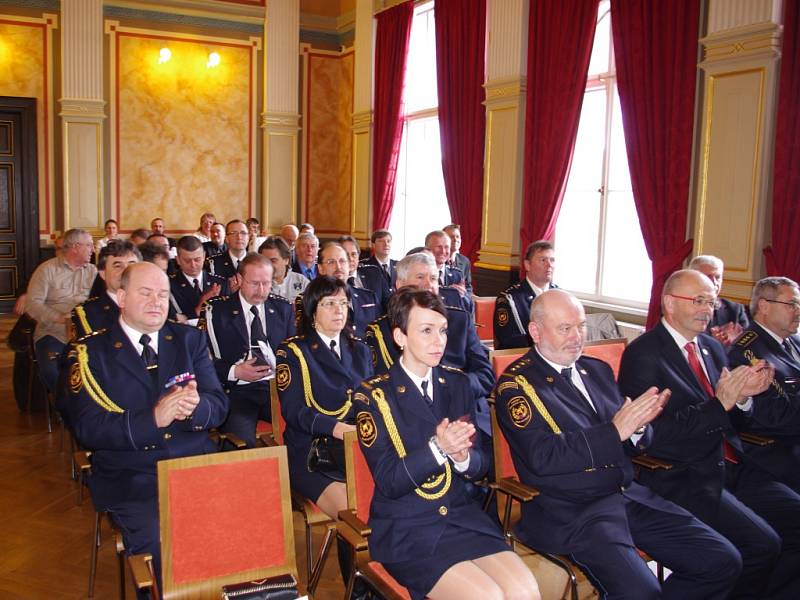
{"x": 367, "y": 432}
{"x": 283, "y": 377}
{"x": 75, "y": 381}
{"x": 519, "y": 410}
{"x": 502, "y": 317}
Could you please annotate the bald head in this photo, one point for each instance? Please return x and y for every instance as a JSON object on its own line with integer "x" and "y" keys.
{"x": 144, "y": 297}
{"x": 687, "y": 302}
{"x": 558, "y": 326}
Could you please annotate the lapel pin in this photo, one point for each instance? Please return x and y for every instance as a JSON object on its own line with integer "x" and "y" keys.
{"x": 314, "y": 346}
{"x": 441, "y": 379}
{"x": 117, "y": 345}
{"x": 401, "y": 389}
{"x": 704, "y": 351}
{"x": 583, "y": 372}
{"x": 549, "y": 379}
{"x": 236, "y": 312}
{"x": 272, "y": 310}
{"x": 168, "y": 338}
{"x": 183, "y": 284}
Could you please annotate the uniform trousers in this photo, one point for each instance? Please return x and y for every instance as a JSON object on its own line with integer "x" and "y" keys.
{"x": 248, "y": 404}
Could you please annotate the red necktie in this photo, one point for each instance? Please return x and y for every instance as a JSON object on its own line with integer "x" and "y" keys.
{"x": 697, "y": 369}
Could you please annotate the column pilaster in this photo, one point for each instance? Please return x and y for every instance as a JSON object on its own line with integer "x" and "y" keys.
{"x": 361, "y": 208}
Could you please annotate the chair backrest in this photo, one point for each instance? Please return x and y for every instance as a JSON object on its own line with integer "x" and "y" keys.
{"x": 278, "y": 422}
{"x": 225, "y": 518}
{"x": 484, "y": 317}
{"x": 501, "y": 359}
{"x": 503, "y": 463}
{"x": 609, "y": 351}
{"x": 360, "y": 485}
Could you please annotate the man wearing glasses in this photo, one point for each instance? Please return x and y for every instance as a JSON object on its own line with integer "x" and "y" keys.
{"x": 227, "y": 265}
{"x": 244, "y": 329}
{"x": 772, "y": 336}
{"x": 711, "y": 476}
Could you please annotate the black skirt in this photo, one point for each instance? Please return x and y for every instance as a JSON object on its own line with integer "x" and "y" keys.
{"x": 311, "y": 485}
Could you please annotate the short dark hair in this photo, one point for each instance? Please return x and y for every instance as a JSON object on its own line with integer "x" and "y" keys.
{"x": 140, "y": 233}
{"x": 110, "y": 221}
{"x": 252, "y": 221}
{"x": 349, "y": 238}
{"x": 252, "y": 259}
{"x": 116, "y": 248}
{"x": 189, "y": 243}
{"x": 150, "y": 252}
{"x": 537, "y": 246}
{"x": 378, "y": 234}
{"x": 307, "y": 226}
{"x": 319, "y": 288}
{"x": 404, "y": 299}
{"x": 275, "y": 242}
{"x": 152, "y": 235}
{"x": 232, "y": 222}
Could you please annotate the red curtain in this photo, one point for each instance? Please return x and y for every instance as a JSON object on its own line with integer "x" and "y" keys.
{"x": 560, "y": 36}
{"x": 655, "y": 44}
{"x": 460, "y": 64}
{"x": 391, "y": 51}
{"x": 783, "y": 256}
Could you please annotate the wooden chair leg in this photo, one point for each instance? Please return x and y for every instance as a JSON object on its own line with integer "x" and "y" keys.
{"x": 324, "y": 550}
{"x": 93, "y": 559}
{"x": 120, "y": 548}
{"x": 309, "y": 552}
{"x": 47, "y": 412}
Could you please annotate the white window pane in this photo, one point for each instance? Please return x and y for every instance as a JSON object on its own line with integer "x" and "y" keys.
{"x": 576, "y": 242}
{"x": 601, "y": 49}
{"x": 586, "y": 171}
{"x": 420, "y": 83}
{"x": 619, "y": 177}
{"x": 627, "y": 271}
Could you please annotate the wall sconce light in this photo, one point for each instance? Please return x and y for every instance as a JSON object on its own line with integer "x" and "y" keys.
{"x": 213, "y": 60}
{"x": 164, "y": 55}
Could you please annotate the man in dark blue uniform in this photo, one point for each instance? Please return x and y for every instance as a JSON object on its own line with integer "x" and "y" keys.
{"x": 364, "y": 275}
{"x": 458, "y": 260}
{"x": 513, "y": 307}
{"x": 226, "y": 265}
{"x": 729, "y": 318}
{"x": 102, "y": 311}
{"x": 711, "y": 476}
{"x": 438, "y": 243}
{"x": 381, "y": 247}
{"x": 216, "y": 245}
{"x": 571, "y": 434}
{"x": 244, "y": 330}
{"x": 142, "y": 391}
{"x": 191, "y": 286}
{"x": 772, "y": 336}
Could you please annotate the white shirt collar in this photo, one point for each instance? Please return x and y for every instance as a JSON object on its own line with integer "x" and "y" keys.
{"x": 556, "y": 366}
{"x": 536, "y": 289}
{"x": 191, "y": 279}
{"x": 237, "y": 258}
{"x": 134, "y": 336}
{"x": 676, "y": 335}
{"x": 418, "y": 380}
{"x": 775, "y": 336}
{"x": 113, "y": 296}
{"x": 327, "y": 341}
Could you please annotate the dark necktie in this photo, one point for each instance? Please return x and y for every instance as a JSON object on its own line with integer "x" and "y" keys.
{"x": 257, "y": 335}
{"x": 351, "y": 281}
{"x": 566, "y": 373}
{"x": 385, "y": 269}
{"x": 425, "y": 395}
{"x": 442, "y": 277}
{"x": 333, "y": 349}
{"x": 149, "y": 357}
{"x": 787, "y": 345}
{"x": 196, "y": 285}
{"x": 697, "y": 369}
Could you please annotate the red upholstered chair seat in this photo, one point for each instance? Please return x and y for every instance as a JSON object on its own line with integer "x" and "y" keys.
{"x": 484, "y": 317}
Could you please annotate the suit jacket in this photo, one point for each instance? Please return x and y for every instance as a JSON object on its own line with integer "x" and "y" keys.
{"x": 110, "y": 408}
{"x": 95, "y": 314}
{"x": 690, "y": 431}
{"x": 727, "y": 312}
{"x": 225, "y": 323}
{"x": 512, "y": 312}
{"x": 184, "y": 297}
{"x": 298, "y": 269}
{"x": 364, "y": 308}
{"x": 221, "y": 265}
{"x": 391, "y": 278}
{"x": 211, "y": 249}
{"x": 571, "y": 454}
{"x": 461, "y": 262}
{"x": 373, "y": 279}
{"x": 415, "y": 498}
{"x": 315, "y": 387}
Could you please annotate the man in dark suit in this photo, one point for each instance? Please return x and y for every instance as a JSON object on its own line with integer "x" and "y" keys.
{"x": 227, "y": 265}
{"x": 458, "y": 260}
{"x": 381, "y": 246}
{"x": 438, "y": 243}
{"x": 513, "y": 306}
{"x": 729, "y": 318}
{"x": 191, "y": 285}
{"x": 102, "y": 311}
{"x": 244, "y": 331}
{"x": 711, "y": 476}
{"x": 571, "y": 435}
{"x": 306, "y": 250}
{"x": 772, "y": 336}
{"x": 157, "y": 228}
{"x": 216, "y": 245}
{"x": 140, "y": 392}
{"x": 364, "y": 275}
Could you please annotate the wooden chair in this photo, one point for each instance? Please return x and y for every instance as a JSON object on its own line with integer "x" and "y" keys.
{"x": 609, "y": 351}
{"x": 312, "y": 515}
{"x": 484, "y": 318}
{"x": 354, "y": 530}
{"x": 225, "y": 518}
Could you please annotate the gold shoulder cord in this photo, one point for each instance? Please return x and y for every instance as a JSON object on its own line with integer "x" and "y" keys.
{"x": 537, "y": 402}
{"x": 307, "y": 387}
{"x": 753, "y": 360}
{"x": 376, "y": 329}
{"x": 394, "y": 435}
{"x": 83, "y": 320}
{"x": 92, "y": 387}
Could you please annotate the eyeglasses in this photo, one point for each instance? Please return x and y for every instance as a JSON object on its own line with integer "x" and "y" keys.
{"x": 794, "y": 304}
{"x": 332, "y": 262}
{"x": 333, "y": 304}
{"x": 698, "y": 301}
{"x": 258, "y": 284}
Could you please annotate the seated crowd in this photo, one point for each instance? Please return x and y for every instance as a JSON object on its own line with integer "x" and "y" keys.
{"x": 162, "y": 340}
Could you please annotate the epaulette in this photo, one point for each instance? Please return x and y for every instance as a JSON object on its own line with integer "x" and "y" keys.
{"x": 448, "y": 307}
{"x": 359, "y": 397}
{"x": 746, "y": 339}
{"x": 365, "y": 265}
{"x": 90, "y": 299}
{"x": 451, "y": 369}
{"x": 381, "y": 318}
{"x": 216, "y": 299}
{"x": 376, "y": 380}
{"x": 279, "y": 297}
{"x": 182, "y": 324}
{"x": 518, "y": 364}
{"x": 172, "y": 276}
{"x": 90, "y": 335}
{"x": 299, "y": 336}
{"x": 512, "y": 287}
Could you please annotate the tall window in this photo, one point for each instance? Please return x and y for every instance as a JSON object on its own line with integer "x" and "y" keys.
{"x": 420, "y": 203}
{"x": 601, "y": 253}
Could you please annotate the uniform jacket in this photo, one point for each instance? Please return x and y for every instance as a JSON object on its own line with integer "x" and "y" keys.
{"x": 415, "y": 498}
{"x": 571, "y": 454}
{"x": 221, "y": 265}
{"x": 111, "y": 401}
{"x": 211, "y": 249}
{"x": 727, "y": 312}
{"x": 391, "y": 278}
{"x": 364, "y": 308}
{"x": 373, "y": 279}
{"x": 512, "y": 312}
{"x": 690, "y": 430}
{"x": 97, "y": 313}
{"x": 461, "y": 262}
{"x": 315, "y": 387}
{"x": 184, "y": 297}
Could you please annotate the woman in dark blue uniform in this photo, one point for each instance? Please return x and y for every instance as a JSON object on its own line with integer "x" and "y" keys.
{"x": 415, "y": 425}
{"x": 316, "y": 373}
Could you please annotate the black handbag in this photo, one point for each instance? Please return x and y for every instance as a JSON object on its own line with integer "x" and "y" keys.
{"x": 19, "y": 338}
{"x": 281, "y": 587}
{"x": 326, "y": 457}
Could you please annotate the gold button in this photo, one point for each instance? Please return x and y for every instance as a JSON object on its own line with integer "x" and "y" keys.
{"x": 443, "y": 510}
{"x": 168, "y": 436}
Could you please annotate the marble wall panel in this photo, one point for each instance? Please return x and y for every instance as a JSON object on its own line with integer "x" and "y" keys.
{"x": 183, "y": 132}
{"x": 329, "y": 142}
{"x": 23, "y": 74}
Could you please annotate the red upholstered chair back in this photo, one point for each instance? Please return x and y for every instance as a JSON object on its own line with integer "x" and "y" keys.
{"x": 225, "y": 518}
{"x": 484, "y": 317}
{"x": 501, "y": 359}
{"x": 503, "y": 463}
{"x": 609, "y": 351}
{"x": 360, "y": 485}
{"x": 278, "y": 423}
